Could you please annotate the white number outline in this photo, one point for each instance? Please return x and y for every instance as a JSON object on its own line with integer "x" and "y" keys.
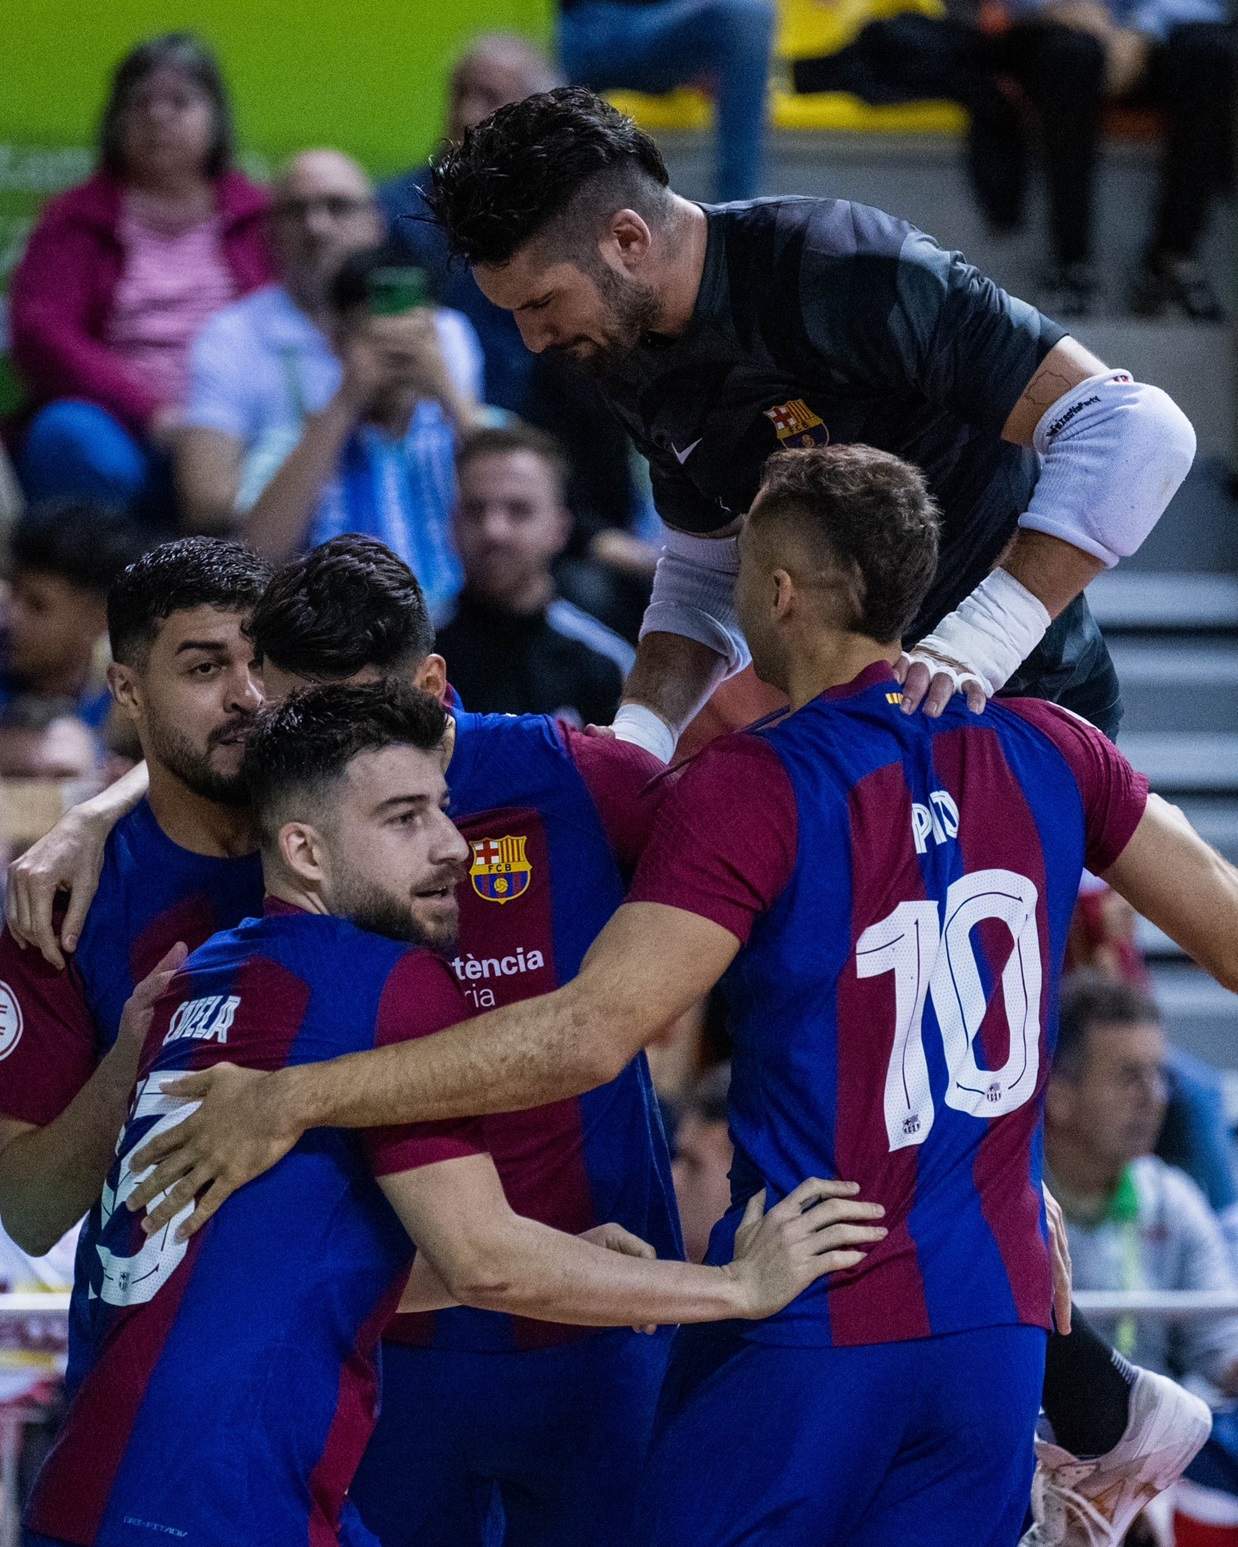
{"x": 932, "y": 963}
{"x": 137, "y": 1278}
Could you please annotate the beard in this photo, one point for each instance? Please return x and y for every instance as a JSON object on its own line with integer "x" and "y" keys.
{"x": 631, "y": 310}
{"x": 373, "y": 908}
{"x": 192, "y": 765}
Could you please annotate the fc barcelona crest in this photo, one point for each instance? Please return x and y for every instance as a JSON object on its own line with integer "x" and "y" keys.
{"x": 795, "y": 424}
{"x": 500, "y": 871}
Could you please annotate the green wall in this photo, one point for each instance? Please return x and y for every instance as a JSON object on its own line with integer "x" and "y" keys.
{"x": 367, "y": 77}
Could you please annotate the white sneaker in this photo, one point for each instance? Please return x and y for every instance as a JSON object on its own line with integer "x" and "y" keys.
{"x": 1092, "y": 1503}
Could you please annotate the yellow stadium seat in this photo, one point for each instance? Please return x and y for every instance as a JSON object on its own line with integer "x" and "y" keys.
{"x": 807, "y": 29}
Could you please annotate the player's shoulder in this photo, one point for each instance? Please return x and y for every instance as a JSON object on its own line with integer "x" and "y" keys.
{"x": 420, "y": 995}
{"x": 1069, "y": 732}
{"x": 743, "y": 764}
{"x": 831, "y": 227}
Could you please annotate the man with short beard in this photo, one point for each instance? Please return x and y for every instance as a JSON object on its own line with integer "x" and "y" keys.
{"x": 179, "y": 867}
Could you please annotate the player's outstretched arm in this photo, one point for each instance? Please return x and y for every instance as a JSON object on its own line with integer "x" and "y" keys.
{"x": 1114, "y": 452}
{"x": 646, "y": 968}
{"x": 69, "y": 858}
{"x": 1172, "y": 876}
{"x": 490, "y": 1257}
{"x": 51, "y": 1174}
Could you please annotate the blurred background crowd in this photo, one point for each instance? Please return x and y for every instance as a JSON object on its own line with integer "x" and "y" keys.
{"x": 225, "y": 312}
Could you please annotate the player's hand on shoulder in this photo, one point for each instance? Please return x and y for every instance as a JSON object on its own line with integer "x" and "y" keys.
{"x": 67, "y": 859}
{"x": 818, "y": 1228}
{"x": 930, "y": 680}
{"x": 239, "y": 1130}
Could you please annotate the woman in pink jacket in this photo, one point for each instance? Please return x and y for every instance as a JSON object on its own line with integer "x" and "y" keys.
{"x": 121, "y": 271}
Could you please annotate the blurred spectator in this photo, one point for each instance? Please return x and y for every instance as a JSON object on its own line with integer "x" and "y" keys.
{"x": 121, "y": 272}
{"x": 1176, "y": 55}
{"x": 702, "y": 1163}
{"x": 285, "y": 387}
{"x": 39, "y": 741}
{"x": 1135, "y": 1222}
{"x": 1195, "y": 1133}
{"x": 498, "y": 68}
{"x": 379, "y": 459}
{"x": 513, "y": 646}
{"x": 62, "y": 559}
{"x": 656, "y": 45}
{"x": 1067, "y": 57}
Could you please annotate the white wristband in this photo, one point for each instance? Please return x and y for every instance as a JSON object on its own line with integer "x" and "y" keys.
{"x": 643, "y": 728}
{"x": 992, "y": 631}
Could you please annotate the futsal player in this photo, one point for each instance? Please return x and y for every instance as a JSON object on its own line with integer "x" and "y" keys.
{"x": 228, "y": 1384}
{"x": 722, "y": 333}
{"x": 951, "y": 849}
{"x": 178, "y": 867}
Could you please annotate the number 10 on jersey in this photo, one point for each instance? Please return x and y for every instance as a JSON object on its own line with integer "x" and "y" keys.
{"x": 936, "y": 963}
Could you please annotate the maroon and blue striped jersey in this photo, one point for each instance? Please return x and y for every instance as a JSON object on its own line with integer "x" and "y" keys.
{"x": 902, "y": 889}
{"x": 228, "y": 1384}
{"x": 556, "y": 820}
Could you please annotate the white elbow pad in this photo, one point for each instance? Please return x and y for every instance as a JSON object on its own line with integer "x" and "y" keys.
{"x": 1115, "y": 451}
{"x": 694, "y": 595}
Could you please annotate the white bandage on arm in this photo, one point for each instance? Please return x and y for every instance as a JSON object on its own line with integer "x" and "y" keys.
{"x": 643, "y": 728}
{"x": 694, "y": 595}
{"x": 993, "y": 631}
{"x": 1115, "y": 451}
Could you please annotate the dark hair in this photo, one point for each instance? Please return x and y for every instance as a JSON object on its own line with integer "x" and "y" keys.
{"x": 85, "y": 544}
{"x": 303, "y": 745}
{"x": 499, "y": 440}
{"x": 1090, "y": 999}
{"x": 174, "y": 577}
{"x": 871, "y": 515}
{"x": 344, "y": 606}
{"x": 530, "y": 162}
{"x": 188, "y": 56}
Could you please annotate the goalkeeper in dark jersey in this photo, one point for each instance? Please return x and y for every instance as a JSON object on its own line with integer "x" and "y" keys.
{"x": 719, "y": 334}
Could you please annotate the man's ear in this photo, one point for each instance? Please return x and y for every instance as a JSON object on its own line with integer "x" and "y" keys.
{"x": 626, "y": 241}
{"x": 303, "y": 852}
{"x": 432, "y": 677}
{"x": 125, "y": 688}
{"x": 784, "y": 593}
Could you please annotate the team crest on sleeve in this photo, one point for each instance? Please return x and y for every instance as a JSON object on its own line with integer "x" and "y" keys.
{"x": 501, "y": 870}
{"x": 795, "y": 424}
{"x": 10, "y": 1020}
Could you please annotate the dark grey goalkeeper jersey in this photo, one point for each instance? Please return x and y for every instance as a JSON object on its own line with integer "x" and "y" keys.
{"x": 823, "y": 321}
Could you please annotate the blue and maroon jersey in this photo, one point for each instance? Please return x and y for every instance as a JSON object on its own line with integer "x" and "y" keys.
{"x": 268, "y": 1319}
{"x": 556, "y": 820}
{"x": 902, "y": 889}
{"x": 56, "y": 1026}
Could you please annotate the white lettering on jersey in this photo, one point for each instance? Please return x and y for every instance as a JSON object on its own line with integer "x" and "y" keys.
{"x": 469, "y": 968}
{"x": 938, "y": 820}
{"x": 11, "y": 1020}
{"x": 205, "y": 1020}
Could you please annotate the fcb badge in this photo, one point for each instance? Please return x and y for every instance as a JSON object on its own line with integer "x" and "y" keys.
{"x": 795, "y": 424}
{"x": 500, "y": 871}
